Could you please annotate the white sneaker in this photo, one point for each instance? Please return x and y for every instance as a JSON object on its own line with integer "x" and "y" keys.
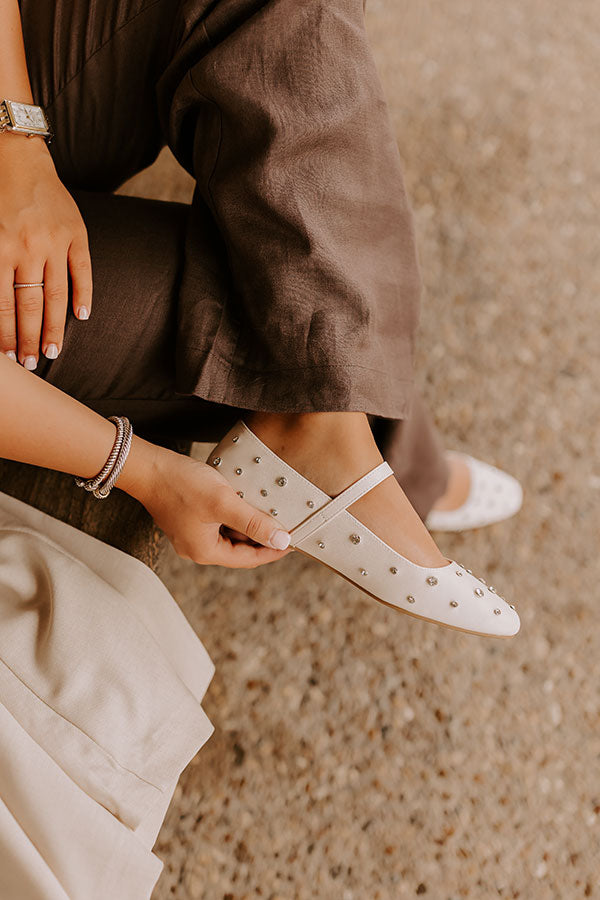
{"x": 494, "y": 495}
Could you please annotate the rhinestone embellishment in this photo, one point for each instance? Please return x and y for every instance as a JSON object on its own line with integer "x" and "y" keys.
{"x": 393, "y": 570}
{"x": 469, "y": 571}
{"x": 497, "y": 611}
{"x": 492, "y": 589}
{"x": 282, "y": 481}
{"x": 363, "y": 572}
{"x": 257, "y": 459}
{"x": 274, "y": 512}
{"x": 321, "y": 545}
{"x": 431, "y": 580}
{"x": 511, "y": 606}
{"x": 310, "y": 504}
{"x": 240, "y": 493}
{"x": 264, "y": 492}
{"x": 238, "y": 471}
{"x": 478, "y": 591}
{"x": 355, "y": 538}
{"x": 410, "y": 598}
{"x": 458, "y": 573}
{"x": 235, "y": 438}
{"x": 454, "y": 603}
{"x": 216, "y": 461}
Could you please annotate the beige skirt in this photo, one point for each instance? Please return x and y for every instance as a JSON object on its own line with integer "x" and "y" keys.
{"x": 101, "y": 682}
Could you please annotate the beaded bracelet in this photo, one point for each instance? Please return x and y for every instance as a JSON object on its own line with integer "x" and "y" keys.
{"x": 102, "y": 483}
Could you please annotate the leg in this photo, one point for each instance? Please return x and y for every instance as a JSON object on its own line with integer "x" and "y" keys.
{"x": 123, "y": 359}
{"x": 93, "y": 66}
{"x": 414, "y": 449}
{"x": 263, "y": 305}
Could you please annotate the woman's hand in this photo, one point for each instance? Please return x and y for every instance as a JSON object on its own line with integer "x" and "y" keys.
{"x": 192, "y": 502}
{"x": 42, "y": 235}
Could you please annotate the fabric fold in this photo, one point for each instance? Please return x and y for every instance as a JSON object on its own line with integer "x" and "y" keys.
{"x": 101, "y": 683}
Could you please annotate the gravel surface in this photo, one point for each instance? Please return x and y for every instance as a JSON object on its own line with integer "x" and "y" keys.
{"x": 361, "y": 754}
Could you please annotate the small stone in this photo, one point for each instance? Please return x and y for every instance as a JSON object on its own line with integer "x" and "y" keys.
{"x": 282, "y": 481}
{"x": 410, "y": 598}
{"x": 240, "y": 493}
{"x": 310, "y": 504}
{"x": 216, "y": 461}
{"x": 393, "y": 570}
{"x": 257, "y": 459}
{"x": 238, "y": 471}
{"x": 264, "y": 492}
{"x": 355, "y": 538}
{"x": 431, "y": 580}
{"x": 235, "y": 438}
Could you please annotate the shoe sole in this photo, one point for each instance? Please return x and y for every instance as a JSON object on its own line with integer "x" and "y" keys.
{"x": 405, "y": 612}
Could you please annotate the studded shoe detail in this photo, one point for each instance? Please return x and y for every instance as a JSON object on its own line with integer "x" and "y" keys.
{"x": 494, "y": 495}
{"x": 321, "y": 527}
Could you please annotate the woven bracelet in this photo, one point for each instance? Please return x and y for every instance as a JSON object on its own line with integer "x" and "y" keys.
{"x": 101, "y": 484}
{"x": 105, "y": 489}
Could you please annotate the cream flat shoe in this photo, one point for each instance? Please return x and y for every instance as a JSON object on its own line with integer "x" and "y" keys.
{"x": 494, "y": 495}
{"x": 321, "y": 527}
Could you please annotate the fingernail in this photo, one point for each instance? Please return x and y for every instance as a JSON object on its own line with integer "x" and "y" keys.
{"x": 83, "y": 312}
{"x": 279, "y": 540}
{"x": 51, "y": 351}
{"x": 11, "y": 355}
{"x": 30, "y": 362}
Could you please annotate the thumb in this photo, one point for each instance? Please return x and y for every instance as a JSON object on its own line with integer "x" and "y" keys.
{"x": 257, "y": 525}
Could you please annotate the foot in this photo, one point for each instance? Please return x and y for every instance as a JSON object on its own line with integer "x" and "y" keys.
{"x": 484, "y": 496}
{"x": 459, "y": 485}
{"x": 335, "y": 449}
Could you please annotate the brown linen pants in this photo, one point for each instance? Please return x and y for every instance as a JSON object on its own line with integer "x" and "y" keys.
{"x": 291, "y": 282}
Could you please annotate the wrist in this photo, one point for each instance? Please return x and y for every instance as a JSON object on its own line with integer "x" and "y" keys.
{"x": 19, "y": 146}
{"x": 140, "y": 473}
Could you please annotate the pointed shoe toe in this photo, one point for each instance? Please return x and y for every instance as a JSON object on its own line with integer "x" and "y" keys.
{"x": 494, "y": 496}
{"x": 321, "y": 527}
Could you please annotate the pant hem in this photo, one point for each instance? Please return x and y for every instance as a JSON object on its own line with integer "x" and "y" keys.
{"x": 339, "y": 388}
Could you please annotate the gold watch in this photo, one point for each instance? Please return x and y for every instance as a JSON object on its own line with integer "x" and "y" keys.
{"x": 24, "y": 118}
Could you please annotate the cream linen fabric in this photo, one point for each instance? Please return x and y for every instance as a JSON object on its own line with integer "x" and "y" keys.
{"x": 101, "y": 682}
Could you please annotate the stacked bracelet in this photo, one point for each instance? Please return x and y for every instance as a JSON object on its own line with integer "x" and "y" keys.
{"x": 102, "y": 483}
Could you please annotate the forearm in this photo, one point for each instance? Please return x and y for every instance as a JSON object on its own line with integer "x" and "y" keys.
{"x": 14, "y": 78}
{"x": 43, "y": 426}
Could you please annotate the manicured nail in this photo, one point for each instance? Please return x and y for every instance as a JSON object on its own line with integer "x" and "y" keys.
{"x": 279, "y": 540}
{"x": 30, "y": 362}
{"x": 51, "y": 351}
{"x": 11, "y": 355}
{"x": 83, "y": 312}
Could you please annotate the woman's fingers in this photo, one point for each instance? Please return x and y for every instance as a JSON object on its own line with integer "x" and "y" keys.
{"x": 80, "y": 267}
{"x": 242, "y": 555}
{"x": 8, "y": 319}
{"x": 56, "y": 292}
{"x": 29, "y": 304}
{"x": 259, "y": 526}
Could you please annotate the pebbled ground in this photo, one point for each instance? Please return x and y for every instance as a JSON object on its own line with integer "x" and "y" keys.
{"x": 360, "y": 754}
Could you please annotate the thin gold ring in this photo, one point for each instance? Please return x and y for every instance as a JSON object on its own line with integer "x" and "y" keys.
{"x": 19, "y": 284}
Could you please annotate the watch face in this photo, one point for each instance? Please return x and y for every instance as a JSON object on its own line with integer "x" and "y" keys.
{"x": 26, "y": 116}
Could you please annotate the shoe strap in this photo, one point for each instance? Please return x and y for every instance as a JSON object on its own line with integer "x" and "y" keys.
{"x": 336, "y": 505}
